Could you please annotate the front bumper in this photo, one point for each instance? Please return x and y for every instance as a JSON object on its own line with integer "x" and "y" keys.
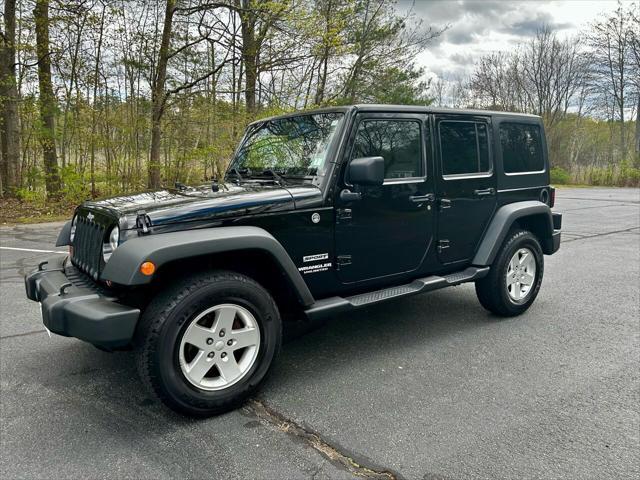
{"x": 79, "y": 309}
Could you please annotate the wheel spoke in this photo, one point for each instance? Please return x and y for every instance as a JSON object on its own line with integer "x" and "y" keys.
{"x": 224, "y": 319}
{"x": 199, "y": 366}
{"x": 247, "y": 337}
{"x": 527, "y": 279}
{"x": 516, "y": 290}
{"x": 530, "y": 264}
{"x": 524, "y": 259}
{"x": 513, "y": 263}
{"x": 197, "y": 336}
{"x": 229, "y": 368}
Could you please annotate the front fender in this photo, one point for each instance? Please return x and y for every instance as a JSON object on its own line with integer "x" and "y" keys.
{"x": 503, "y": 221}
{"x": 124, "y": 265}
{"x": 64, "y": 237}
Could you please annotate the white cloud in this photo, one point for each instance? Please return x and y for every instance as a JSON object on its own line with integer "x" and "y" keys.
{"x": 477, "y": 27}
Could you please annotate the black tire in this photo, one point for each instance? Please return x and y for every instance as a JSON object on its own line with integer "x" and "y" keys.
{"x": 167, "y": 318}
{"x": 492, "y": 289}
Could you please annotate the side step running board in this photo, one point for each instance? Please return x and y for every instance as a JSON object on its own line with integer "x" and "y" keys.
{"x": 332, "y": 305}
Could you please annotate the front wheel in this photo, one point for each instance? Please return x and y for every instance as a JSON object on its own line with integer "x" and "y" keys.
{"x": 206, "y": 344}
{"x": 515, "y": 277}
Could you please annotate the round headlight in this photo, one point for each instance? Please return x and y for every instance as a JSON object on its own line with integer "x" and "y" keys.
{"x": 111, "y": 243}
{"x": 72, "y": 233}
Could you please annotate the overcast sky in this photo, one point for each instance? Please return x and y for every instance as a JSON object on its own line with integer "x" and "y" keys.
{"x": 482, "y": 26}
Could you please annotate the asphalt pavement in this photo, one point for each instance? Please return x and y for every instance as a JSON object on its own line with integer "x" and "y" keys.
{"x": 427, "y": 387}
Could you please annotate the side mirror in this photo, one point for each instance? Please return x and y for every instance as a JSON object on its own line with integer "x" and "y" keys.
{"x": 367, "y": 171}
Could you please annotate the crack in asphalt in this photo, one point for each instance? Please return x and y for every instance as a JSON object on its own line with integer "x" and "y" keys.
{"x": 602, "y": 234}
{"x": 635, "y": 202}
{"x": 24, "y": 334}
{"x": 275, "y": 419}
{"x": 597, "y": 207}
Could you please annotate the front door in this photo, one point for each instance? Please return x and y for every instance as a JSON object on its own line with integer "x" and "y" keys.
{"x": 389, "y": 229}
{"x": 466, "y": 184}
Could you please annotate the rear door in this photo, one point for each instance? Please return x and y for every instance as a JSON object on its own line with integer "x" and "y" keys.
{"x": 465, "y": 184}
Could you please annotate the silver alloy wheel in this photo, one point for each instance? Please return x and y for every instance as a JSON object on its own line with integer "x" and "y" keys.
{"x": 521, "y": 274}
{"x": 226, "y": 337}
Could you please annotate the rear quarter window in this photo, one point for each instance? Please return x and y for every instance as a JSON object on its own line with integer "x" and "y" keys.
{"x": 465, "y": 148}
{"x": 521, "y": 147}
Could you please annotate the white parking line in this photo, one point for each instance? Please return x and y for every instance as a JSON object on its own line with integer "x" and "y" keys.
{"x": 32, "y": 250}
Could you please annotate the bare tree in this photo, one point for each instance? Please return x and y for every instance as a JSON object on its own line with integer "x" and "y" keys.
{"x": 635, "y": 48}
{"x": 611, "y": 42}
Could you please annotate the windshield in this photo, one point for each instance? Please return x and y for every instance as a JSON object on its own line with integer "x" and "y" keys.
{"x": 290, "y": 147}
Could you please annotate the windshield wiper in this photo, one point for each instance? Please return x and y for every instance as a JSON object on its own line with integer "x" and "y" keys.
{"x": 275, "y": 176}
{"x": 237, "y": 173}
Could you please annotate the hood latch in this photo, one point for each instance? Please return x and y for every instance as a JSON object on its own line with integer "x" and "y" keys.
{"x": 143, "y": 222}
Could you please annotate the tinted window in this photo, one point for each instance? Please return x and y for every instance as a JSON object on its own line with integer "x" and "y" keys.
{"x": 397, "y": 141}
{"x": 521, "y": 148}
{"x": 465, "y": 148}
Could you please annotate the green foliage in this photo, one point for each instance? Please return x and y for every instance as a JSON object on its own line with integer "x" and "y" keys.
{"x": 30, "y": 196}
{"x": 559, "y": 176}
{"x": 75, "y": 188}
{"x": 394, "y": 86}
{"x": 622, "y": 175}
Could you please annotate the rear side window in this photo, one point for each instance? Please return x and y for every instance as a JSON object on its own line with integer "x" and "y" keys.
{"x": 465, "y": 148}
{"x": 397, "y": 141}
{"x": 521, "y": 147}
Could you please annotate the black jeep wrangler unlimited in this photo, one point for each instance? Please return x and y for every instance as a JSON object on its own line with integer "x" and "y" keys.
{"x": 319, "y": 212}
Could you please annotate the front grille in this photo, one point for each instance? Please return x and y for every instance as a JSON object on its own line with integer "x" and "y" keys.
{"x": 87, "y": 246}
{"x": 82, "y": 280}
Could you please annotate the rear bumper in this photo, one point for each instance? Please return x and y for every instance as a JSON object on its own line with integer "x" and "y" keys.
{"x": 557, "y": 232}
{"x": 75, "y": 310}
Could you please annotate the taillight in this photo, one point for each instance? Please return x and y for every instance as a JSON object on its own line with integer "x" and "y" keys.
{"x": 552, "y": 197}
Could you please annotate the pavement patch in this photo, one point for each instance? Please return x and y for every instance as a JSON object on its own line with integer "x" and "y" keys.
{"x": 271, "y": 417}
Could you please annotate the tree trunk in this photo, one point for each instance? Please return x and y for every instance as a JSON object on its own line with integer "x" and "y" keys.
{"x": 158, "y": 97}
{"x": 94, "y": 123}
{"x": 9, "y": 123}
{"x": 249, "y": 58}
{"x": 324, "y": 59}
{"x": 638, "y": 129}
{"x": 47, "y": 99}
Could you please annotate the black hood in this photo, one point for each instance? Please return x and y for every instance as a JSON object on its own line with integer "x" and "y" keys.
{"x": 165, "y": 207}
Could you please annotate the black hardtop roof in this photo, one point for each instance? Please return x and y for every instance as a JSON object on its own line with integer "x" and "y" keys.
{"x": 402, "y": 109}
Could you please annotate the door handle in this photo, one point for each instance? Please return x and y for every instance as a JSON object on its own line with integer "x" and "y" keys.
{"x": 429, "y": 197}
{"x": 484, "y": 192}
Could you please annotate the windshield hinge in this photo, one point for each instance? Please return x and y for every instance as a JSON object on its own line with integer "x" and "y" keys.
{"x": 343, "y": 215}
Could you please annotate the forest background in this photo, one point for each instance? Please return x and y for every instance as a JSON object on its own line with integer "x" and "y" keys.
{"x": 101, "y": 97}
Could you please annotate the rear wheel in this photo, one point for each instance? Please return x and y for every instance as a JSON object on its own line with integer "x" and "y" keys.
{"x": 515, "y": 277}
{"x": 206, "y": 344}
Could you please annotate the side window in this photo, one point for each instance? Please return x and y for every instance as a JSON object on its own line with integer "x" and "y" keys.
{"x": 521, "y": 147}
{"x": 465, "y": 147}
{"x": 397, "y": 141}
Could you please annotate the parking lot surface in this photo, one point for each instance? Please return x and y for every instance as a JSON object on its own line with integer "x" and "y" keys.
{"x": 427, "y": 387}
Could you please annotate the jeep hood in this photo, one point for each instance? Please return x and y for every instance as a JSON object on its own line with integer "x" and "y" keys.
{"x": 165, "y": 207}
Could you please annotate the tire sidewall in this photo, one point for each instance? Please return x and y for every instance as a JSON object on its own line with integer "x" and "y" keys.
{"x": 165, "y": 356}
{"x": 520, "y": 240}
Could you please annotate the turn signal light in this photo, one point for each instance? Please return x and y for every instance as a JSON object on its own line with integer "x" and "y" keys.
{"x": 147, "y": 268}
